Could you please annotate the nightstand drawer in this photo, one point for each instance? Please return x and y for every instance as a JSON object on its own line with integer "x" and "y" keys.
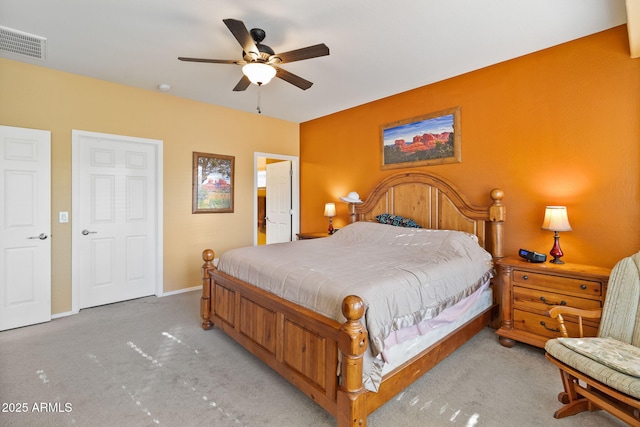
{"x": 542, "y": 301}
{"x": 547, "y": 327}
{"x": 568, "y": 285}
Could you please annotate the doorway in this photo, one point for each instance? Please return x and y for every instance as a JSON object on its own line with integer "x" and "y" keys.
{"x": 261, "y": 160}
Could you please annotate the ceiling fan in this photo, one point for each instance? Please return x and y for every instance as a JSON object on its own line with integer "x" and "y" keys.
{"x": 260, "y": 62}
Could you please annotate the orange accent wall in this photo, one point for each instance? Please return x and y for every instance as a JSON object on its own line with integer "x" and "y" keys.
{"x": 559, "y": 126}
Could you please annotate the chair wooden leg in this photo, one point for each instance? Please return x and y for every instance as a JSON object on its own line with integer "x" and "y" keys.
{"x": 573, "y": 402}
{"x": 563, "y": 396}
{"x": 568, "y": 384}
{"x": 572, "y": 408}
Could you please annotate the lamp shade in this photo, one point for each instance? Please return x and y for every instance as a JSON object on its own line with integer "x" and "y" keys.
{"x": 556, "y": 219}
{"x": 352, "y": 197}
{"x": 330, "y": 209}
{"x": 259, "y": 73}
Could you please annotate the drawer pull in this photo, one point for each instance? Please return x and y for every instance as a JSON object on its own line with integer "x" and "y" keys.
{"x": 525, "y": 277}
{"x": 583, "y": 286}
{"x": 544, "y": 325}
{"x": 544, "y": 300}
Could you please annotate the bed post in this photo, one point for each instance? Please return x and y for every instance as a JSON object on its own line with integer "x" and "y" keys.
{"x": 497, "y": 214}
{"x": 351, "y": 399}
{"x": 205, "y": 301}
{"x": 352, "y": 213}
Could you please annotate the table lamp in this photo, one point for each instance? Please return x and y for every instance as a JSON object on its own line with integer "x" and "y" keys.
{"x": 556, "y": 220}
{"x": 353, "y": 199}
{"x": 330, "y": 211}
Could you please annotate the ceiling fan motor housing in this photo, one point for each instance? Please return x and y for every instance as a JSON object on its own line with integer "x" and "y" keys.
{"x": 257, "y": 34}
{"x": 265, "y": 52}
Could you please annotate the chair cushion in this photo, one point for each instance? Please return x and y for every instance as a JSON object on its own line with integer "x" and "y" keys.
{"x": 615, "y": 354}
{"x": 624, "y": 383}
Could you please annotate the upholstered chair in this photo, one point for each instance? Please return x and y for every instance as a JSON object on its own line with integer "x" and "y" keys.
{"x": 603, "y": 372}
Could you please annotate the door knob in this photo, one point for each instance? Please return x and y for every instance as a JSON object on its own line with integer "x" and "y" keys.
{"x": 41, "y": 236}
{"x": 85, "y": 232}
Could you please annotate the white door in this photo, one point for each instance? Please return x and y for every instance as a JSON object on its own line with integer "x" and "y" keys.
{"x": 115, "y": 225}
{"x": 279, "y": 210}
{"x": 25, "y": 227}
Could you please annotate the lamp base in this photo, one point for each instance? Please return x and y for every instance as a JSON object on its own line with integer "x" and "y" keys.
{"x": 556, "y": 252}
{"x": 330, "y": 229}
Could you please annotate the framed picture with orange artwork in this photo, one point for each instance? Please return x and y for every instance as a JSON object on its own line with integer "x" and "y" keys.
{"x": 431, "y": 139}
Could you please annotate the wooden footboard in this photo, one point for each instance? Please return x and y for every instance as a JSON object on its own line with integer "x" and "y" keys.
{"x": 299, "y": 344}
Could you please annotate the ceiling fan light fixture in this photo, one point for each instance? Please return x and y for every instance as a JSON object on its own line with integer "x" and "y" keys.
{"x": 259, "y": 73}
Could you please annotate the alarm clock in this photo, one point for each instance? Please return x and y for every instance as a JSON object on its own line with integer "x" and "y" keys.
{"x": 532, "y": 256}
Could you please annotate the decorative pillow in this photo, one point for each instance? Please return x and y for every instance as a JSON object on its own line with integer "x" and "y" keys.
{"x": 610, "y": 352}
{"x": 396, "y": 220}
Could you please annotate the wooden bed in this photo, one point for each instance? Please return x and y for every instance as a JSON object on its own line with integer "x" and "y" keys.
{"x": 304, "y": 346}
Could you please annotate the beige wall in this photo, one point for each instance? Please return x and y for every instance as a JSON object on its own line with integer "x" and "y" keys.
{"x": 39, "y": 98}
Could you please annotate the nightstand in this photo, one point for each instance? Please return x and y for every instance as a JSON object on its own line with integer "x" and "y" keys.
{"x": 313, "y": 235}
{"x": 530, "y": 289}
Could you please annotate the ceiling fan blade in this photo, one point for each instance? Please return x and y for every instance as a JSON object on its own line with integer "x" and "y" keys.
{"x": 243, "y": 84}
{"x": 303, "y": 53}
{"x": 293, "y": 79}
{"x": 243, "y": 36}
{"x": 212, "y": 61}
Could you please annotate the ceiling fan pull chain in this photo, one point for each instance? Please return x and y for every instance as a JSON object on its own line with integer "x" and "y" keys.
{"x": 259, "y": 89}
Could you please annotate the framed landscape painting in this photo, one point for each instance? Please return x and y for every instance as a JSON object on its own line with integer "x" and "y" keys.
{"x": 432, "y": 139}
{"x": 212, "y": 190}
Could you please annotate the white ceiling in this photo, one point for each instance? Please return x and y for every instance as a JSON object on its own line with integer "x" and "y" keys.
{"x": 378, "y": 47}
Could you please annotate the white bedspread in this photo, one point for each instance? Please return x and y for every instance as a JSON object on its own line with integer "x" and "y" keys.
{"x": 403, "y": 275}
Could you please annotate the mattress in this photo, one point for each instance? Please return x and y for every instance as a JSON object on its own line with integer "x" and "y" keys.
{"x": 403, "y": 275}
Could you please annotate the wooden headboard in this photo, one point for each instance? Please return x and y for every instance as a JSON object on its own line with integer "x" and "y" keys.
{"x": 436, "y": 204}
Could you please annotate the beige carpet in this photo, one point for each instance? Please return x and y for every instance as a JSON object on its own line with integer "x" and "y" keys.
{"x": 147, "y": 362}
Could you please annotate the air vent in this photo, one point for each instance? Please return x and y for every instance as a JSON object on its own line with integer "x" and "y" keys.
{"x": 14, "y": 41}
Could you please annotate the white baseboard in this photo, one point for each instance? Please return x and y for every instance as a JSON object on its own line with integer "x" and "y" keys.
{"x": 180, "y": 291}
{"x": 164, "y": 294}
{"x": 65, "y": 314}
